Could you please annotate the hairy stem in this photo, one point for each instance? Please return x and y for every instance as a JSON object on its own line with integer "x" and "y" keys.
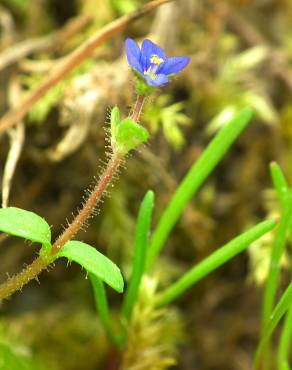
{"x": 32, "y": 271}
{"x": 89, "y": 205}
{"x": 16, "y": 282}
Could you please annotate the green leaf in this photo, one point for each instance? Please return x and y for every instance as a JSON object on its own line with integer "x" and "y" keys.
{"x": 114, "y": 122}
{"x": 278, "y": 249}
{"x": 285, "y": 341}
{"x": 94, "y": 262}
{"x": 279, "y": 182}
{"x": 274, "y": 267}
{"x": 25, "y": 224}
{"x": 129, "y": 135}
{"x": 115, "y": 119}
{"x": 126, "y": 134}
{"x": 141, "y": 242}
{"x": 195, "y": 178}
{"x": 215, "y": 260}
{"x": 102, "y": 306}
{"x": 280, "y": 310}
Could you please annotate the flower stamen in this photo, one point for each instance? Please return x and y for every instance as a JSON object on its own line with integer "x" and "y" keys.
{"x": 156, "y": 60}
{"x": 155, "y": 63}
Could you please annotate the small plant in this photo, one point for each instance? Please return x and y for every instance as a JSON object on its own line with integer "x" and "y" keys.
{"x": 148, "y": 328}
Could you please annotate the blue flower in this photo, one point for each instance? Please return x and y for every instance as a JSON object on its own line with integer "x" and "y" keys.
{"x": 151, "y": 63}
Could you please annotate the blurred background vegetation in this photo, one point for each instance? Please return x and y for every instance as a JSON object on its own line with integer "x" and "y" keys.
{"x": 241, "y": 54}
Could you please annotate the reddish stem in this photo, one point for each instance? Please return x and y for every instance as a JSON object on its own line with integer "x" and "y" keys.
{"x": 16, "y": 282}
{"x": 31, "y": 272}
{"x": 138, "y": 108}
{"x": 90, "y": 204}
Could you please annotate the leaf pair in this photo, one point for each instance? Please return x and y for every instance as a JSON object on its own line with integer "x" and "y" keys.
{"x": 30, "y": 226}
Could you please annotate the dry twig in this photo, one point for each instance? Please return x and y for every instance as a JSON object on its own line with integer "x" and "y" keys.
{"x": 16, "y": 136}
{"x": 22, "y": 49}
{"x": 74, "y": 59}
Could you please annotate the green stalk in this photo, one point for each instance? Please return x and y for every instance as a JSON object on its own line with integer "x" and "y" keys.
{"x": 285, "y": 342}
{"x": 141, "y": 242}
{"x": 281, "y": 308}
{"x": 215, "y": 260}
{"x": 194, "y": 179}
{"x": 279, "y": 182}
{"x": 102, "y": 306}
{"x": 281, "y": 187}
{"x": 277, "y": 252}
{"x": 274, "y": 270}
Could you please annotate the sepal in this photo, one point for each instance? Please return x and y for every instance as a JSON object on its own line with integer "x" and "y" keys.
{"x": 142, "y": 88}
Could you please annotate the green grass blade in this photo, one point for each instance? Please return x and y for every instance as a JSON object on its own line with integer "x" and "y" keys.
{"x": 276, "y": 254}
{"x": 215, "y": 260}
{"x": 279, "y": 182}
{"x": 141, "y": 242}
{"x": 194, "y": 179}
{"x": 102, "y": 307}
{"x": 285, "y": 198}
{"x": 285, "y": 341}
{"x": 281, "y": 308}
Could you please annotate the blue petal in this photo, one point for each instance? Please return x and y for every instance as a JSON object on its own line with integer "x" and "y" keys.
{"x": 133, "y": 54}
{"x": 148, "y": 49}
{"x": 144, "y": 63}
{"x": 159, "y": 80}
{"x": 173, "y": 65}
